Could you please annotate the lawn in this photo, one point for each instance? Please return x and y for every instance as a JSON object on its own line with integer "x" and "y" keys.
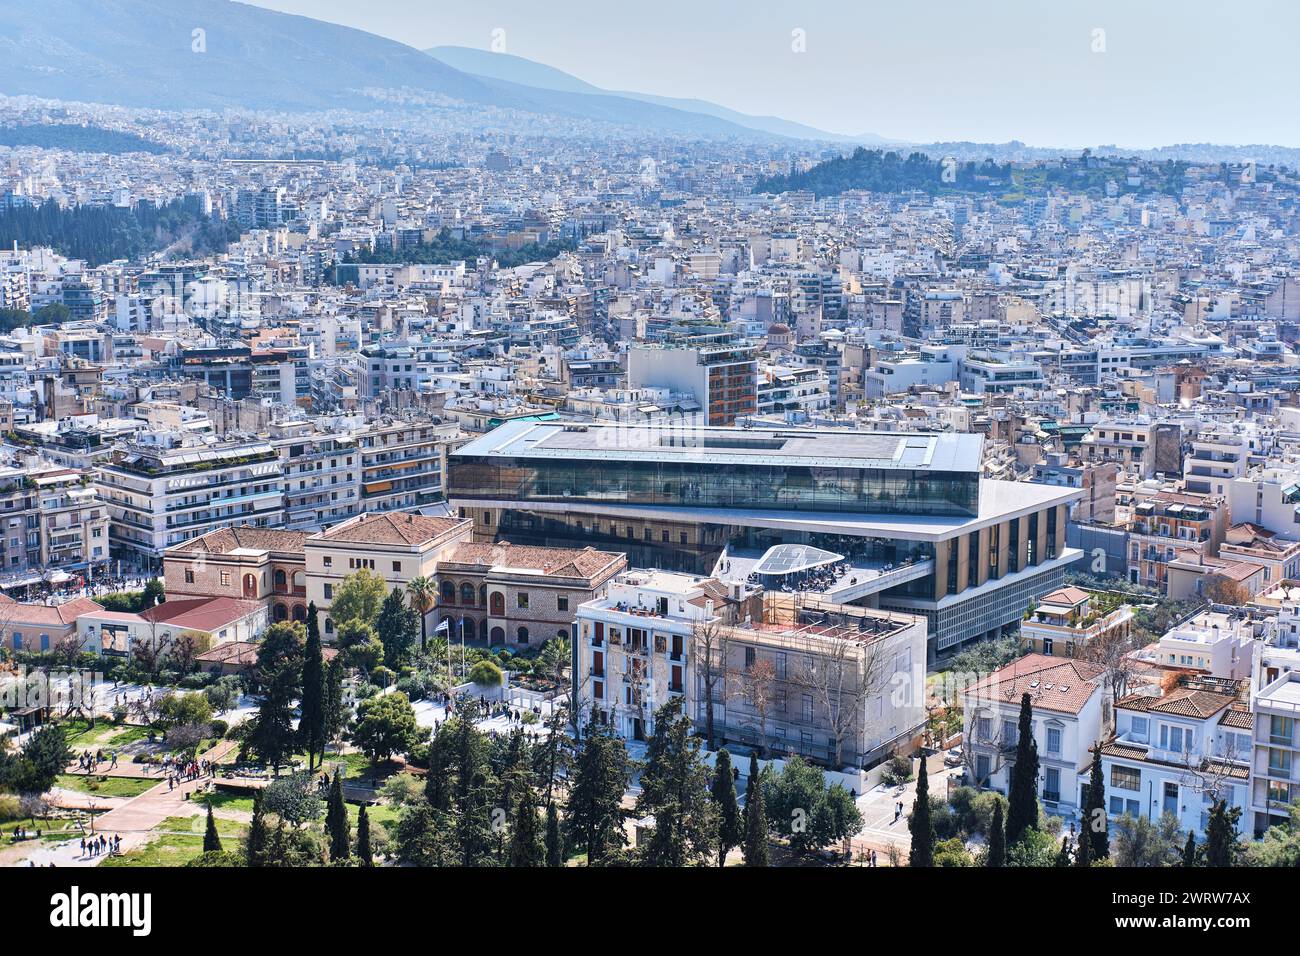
{"x": 167, "y": 849}
{"x": 99, "y": 786}
{"x": 229, "y": 800}
{"x": 105, "y": 733}
{"x": 197, "y": 825}
{"x": 381, "y": 813}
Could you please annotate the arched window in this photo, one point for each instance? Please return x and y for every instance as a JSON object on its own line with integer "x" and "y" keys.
{"x": 498, "y": 635}
{"x": 300, "y": 580}
{"x": 498, "y": 604}
{"x": 483, "y": 630}
{"x": 329, "y": 625}
{"x": 281, "y": 579}
{"x": 299, "y": 613}
{"x": 448, "y": 593}
{"x": 522, "y": 635}
{"x": 281, "y": 612}
{"x": 482, "y": 594}
{"x": 562, "y": 634}
{"x": 250, "y": 585}
{"x": 467, "y": 594}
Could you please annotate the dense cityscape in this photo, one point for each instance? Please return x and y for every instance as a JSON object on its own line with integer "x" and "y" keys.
{"x": 555, "y": 483}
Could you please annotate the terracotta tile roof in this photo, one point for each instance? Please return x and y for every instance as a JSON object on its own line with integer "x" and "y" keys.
{"x": 1180, "y": 702}
{"x": 200, "y": 614}
{"x": 44, "y": 615}
{"x": 1238, "y": 719}
{"x": 560, "y": 562}
{"x": 1067, "y": 596}
{"x": 1058, "y": 684}
{"x": 225, "y": 540}
{"x": 391, "y": 528}
{"x": 1139, "y": 754}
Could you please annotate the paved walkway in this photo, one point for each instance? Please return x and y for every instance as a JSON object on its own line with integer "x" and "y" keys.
{"x": 132, "y": 819}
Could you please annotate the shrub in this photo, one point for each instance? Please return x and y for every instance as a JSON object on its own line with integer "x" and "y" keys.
{"x": 218, "y": 728}
{"x": 899, "y": 770}
{"x": 486, "y": 674}
{"x": 11, "y": 807}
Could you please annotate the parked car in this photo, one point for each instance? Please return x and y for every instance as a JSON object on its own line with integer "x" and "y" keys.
{"x": 952, "y": 758}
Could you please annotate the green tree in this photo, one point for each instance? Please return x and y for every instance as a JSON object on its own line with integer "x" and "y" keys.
{"x": 997, "y": 837}
{"x": 486, "y": 674}
{"x": 295, "y": 799}
{"x": 44, "y": 756}
{"x": 600, "y": 776}
{"x": 1095, "y": 823}
{"x": 311, "y": 722}
{"x": 335, "y": 711}
{"x": 256, "y": 841}
{"x": 358, "y": 597}
{"x": 270, "y": 733}
{"x": 920, "y": 823}
{"x": 554, "y": 838}
{"x": 359, "y": 642}
{"x": 755, "y": 846}
{"x": 525, "y": 839}
{"x": 1189, "y": 850}
{"x": 1063, "y": 857}
{"x": 1222, "y": 846}
{"x": 1022, "y": 801}
{"x": 336, "y": 821}
{"x": 952, "y": 852}
{"x": 385, "y": 726}
{"x": 279, "y": 655}
{"x": 801, "y": 808}
{"x": 211, "y": 839}
{"x": 675, "y": 789}
{"x": 397, "y": 627}
{"x": 364, "y": 852}
{"x": 1083, "y": 851}
{"x": 1140, "y": 842}
{"x": 729, "y": 827}
{"x": 153, "y": 594}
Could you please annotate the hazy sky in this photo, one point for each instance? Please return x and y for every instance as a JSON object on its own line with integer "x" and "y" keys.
{"x": 1167, "y": 71}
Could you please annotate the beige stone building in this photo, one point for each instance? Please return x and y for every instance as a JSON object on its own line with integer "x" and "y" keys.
{"x": 253, "y": 564}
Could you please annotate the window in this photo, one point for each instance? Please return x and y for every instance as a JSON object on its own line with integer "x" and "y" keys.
{"x": 806, "y": 707}
{"x": 1054, "y": 741}
{"x": 397, "y": 566}
{"x": 1279, "y": 762}
{"x": 189, "y": 576}
{"x": 1138, "y": 729}
{"x": 983, "y": 728}
{"x": 561, "y": 603}
{"x": 523, "y": 635}
{"x": 225, "y": 579}
{"x": 1052, "y": 784}
{"x": 750, "y": 656}
{"x": 1281, "y": 729}
{"x": 521, "y": 600}
{"x": 329, "y": 592}
{"x": 328, "y": 561}
{"x": 1125, "y": 778}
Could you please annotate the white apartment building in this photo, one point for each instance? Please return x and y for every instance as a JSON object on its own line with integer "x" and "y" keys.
{"x": 1214, "y": 463}
{"x": 1218, "y": 643}
{"x": 1275, "y": 706}
{"x": 1178, "y": 751}
{"x": 1070, "y": 718}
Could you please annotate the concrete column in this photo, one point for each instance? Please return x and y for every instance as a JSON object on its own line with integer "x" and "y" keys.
{"x": 941, "y": 559}
{"x": 981, "y": 569}
{"x": 962, "y": 544}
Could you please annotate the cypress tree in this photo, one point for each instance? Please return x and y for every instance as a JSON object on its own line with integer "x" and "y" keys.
{"x": 1083, "y": 851}
{"x": 554, "y": 841}
{"x": 1221, "y": 835}
{"x": 730, "y": 832}
{"x": 211, "y": 839}
{"x": 1095, "y": 823}
{"x": 332, "y": 705}
{"x": 997, "y": 838}
{"x": 755, "y": 847}
{"x": 1189, "y": 850}
{"x": 311, "y": 723}
{"x": 525, "y": 841}
{"x": 336, "y": 821}
{"x": 256, "y": 841}
{"x": 1063, "y": 854}
{"x": 920, "y": 824}
{"x": 364, "y": 853}
{"x": 1022, "y": 804}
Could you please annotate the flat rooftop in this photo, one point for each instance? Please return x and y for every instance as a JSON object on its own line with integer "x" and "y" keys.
{"x": 834, "y": 448}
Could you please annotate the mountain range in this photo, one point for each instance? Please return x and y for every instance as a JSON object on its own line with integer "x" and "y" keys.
{"x": 219, "y": 54}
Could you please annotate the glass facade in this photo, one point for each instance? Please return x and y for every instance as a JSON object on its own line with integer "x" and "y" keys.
{"x": 701, "y": 484}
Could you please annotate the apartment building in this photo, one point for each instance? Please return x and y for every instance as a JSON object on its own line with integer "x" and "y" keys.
{"x": 160, "y": 496}
{"x": 1275, "y": 706}
{"x": 1176, "y": 749}
{"x": 1138, "y": 447}
{"x": 500, "y": 593}
{"x": 720, "y": 371}
{"x": 1215, "y": 463}
{"x": 1065, "y": 622}
{"x": 1166, "y": 523}
{"x": 322, "y": 475}
{"x": 53, "y": 526}
{"x": 1071, "y": 716}
{"x": 403, "y": 463}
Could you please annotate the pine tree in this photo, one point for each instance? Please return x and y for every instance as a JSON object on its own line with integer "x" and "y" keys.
{"x": 1063, "y": 854}
{"x": 755, "y": 846}
{"x": 272, "y": 736}
{"x": 594, "y": 812}
{"x": 997, "y": 855}
{"x": 675, "y": 789}
{"x": 525, "y": 841}
{"x": 1189, "y": 849}
{"x": 336, "y": 821}
{"x": 364, "y": 853}
{"x": 1095, "y": 823}
{"x": 311, "y": 723}
{"x": 256, "y": 842}
{"x": 1221, "y": 845}
{"x": 920, "y": 823}
{"x": 730, "y": 831}
{"x": 1022, "y": 803}
{"x": 554, "y": 840}
{"x": 211, "y": 839}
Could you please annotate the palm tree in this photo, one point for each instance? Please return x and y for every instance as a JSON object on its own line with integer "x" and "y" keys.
{"x": 424, "y": 597}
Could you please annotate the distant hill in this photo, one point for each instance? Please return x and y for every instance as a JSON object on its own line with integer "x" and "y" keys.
{"x": 144, "y": 53}
{"x": 517, "y": 69}
{"x": 82, "y": 139}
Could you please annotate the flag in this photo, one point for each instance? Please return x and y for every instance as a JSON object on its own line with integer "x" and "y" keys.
{"x": 444, "y": 627}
